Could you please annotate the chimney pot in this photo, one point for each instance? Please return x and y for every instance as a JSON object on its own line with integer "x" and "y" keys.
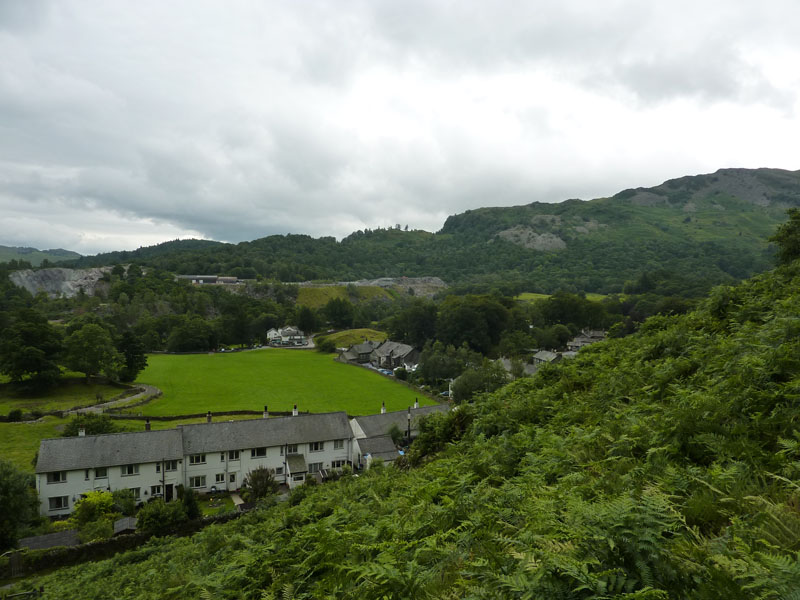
{"x": 208, "y": 417}
{"x": 294, "y": 411}
{"x": 266, "y": 412}
{"x": 416, "y": 402}
{"x": 147, "y": 424}
{"x": 81, "y": 432}
{"x": 383, "y": 408}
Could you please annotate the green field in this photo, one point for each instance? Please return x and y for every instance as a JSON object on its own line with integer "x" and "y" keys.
{"x": 70, "y": 393}
{"x": 278, "y": 378}
{"x": 349, "y": 337}
{"x": 533, "y": 297}
{"x": 317, "y": 297}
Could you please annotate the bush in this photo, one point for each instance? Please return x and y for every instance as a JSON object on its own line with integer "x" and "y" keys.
{"x": 159, "y": 517}
{"x": 125, "y": 502}
{"x": 15, "y": 415}
{"x": 260, "y": 483}
{"x": 190, "y": 506}
{"x": 102, "y": 529}
{"x": 93, "y": 507}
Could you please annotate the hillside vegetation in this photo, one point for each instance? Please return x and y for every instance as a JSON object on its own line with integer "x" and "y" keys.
{"x": 36, "y": 257}
{"x": 701, "y": 230}
{"x": 662, "y": 465}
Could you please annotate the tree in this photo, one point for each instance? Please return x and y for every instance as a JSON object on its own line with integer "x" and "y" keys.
{"x": 124, "y": 502}
{"x": 29, "y": 347}
{"x": 91, "y": 423}
{"x": 18, "y": 503}
{"x": 339, "y": 312}
{"x": 94, "y": 516}
{"x": 260, "y": 483}
{"x": 190, "y": 505}
{"x": 787, "y": 237}
{"x": 90, "y": 350}
{"x": 487, "y": 378}
{"x": 159, "y": 517}
{"x": 306, "y": 320}
{"x": 133, "y": 354}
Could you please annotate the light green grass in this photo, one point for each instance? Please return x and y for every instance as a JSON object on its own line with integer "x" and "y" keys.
{"x": 69, "y": 393}
{"x": 276, "y": 377}
{"x": 533, "y": 297}
{"x": 345, "y": 339}
{"x": 317, "y": 297}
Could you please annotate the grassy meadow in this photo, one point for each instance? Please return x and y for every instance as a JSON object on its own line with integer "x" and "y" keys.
{"x": 73, "y": 392}
{"x": 533, "y": 297}
{"x": 279, "y": 378}
{"x": 345, "y": 339}
{"x": 317, "y": 297}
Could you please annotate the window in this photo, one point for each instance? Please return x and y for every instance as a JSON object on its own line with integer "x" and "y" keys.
{"x": 127, "y": 470}
{"x": 290, "y": 449}
{"x": 101, "y": 473}
{"x": 171, "y": 465}
{"x": 279, "y": 471}
{"x": 256, "y": 452}
{"x": 198, "y": 481}
{"x": 299, "y": 477}
{"x": 233, "y": 455}
{"x": 197, "y": 459}
{"x": 233, "y": 478}
{"x": 86, "y": 475}
{"x": 220, "y": 478}
{"x": 338, "y": 444}
{"x": 137, "y": 493}
{"x": 58, "y": 502}
{"x": 314, "y": 467}
{"x": 317, "y": 446}
{"x": 222, "y": 457}
{"x": 337, "y": 464}
{"x": 57, "y": 477}
{"x": 155, "y": 490}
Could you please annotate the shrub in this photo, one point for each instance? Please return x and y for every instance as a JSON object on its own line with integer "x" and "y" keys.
{"x": 15, "y": 415}
{"x": 158, "y": 517}
{"x": 125, "y": 502}
{"x": 260, "y": 483}
{"x": 190, "y": 506}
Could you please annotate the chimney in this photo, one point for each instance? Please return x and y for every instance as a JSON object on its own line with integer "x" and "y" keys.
{"x": 408, "y": 434}
{"x": 208, "y": 417}
{"x": 383, "y": 408}
{"x": 294, "y": 411}
{"x": 416, "y": 402}
{"x": 147, "y": 424}
{"x": 266, "y": 412}
{"x": 81, "y": 432}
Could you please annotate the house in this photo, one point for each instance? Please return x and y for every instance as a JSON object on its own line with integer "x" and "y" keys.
{"x": 197, "y": 279}
{"x": 358, "y": 353}
{"x": 546, "y": 357}
{"x": 390, "y": 355}
{"x": 527, "y": 368}
{"x": 205, "y": 457}
{"x": 586, "y": 337}
{"x": 286, "y": 336}
{"x": 371, "y": 438}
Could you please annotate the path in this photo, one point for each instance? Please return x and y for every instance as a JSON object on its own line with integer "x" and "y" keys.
{"x": 148, "y": 391}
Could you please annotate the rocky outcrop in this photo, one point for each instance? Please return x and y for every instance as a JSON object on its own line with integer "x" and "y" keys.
{"x": 62, "y": 282}
{"x": 528, "y": 238}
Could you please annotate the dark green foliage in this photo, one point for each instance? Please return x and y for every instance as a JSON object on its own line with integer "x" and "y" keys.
{"x": 787, "y": 237}
{"x": 160, "y": 518}
{"x": 133, "y": 353}
{"x": 91, "y": 423}
{"x": 15, "y": 415}
{"x": 190, "y": 505}
{"x": 29, "y": 349}
{"x": 260, "y": 483}
{"x": 90, "y": 350}
{"x": 18, "y": 503}
{"x": 124, "y": 502}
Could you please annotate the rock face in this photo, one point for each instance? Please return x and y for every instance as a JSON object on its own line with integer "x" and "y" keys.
{"x": 527, "y": 237}
{"x": 61, "y": 282}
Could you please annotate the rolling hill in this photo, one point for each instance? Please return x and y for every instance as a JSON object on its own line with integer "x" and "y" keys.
{"x": 695, "y": 231}
{"x": 34, "y": 256}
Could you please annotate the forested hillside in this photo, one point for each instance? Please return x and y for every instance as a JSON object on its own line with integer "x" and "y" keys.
{"x": 662, "y": 465}
{"x": 694, "y": 232}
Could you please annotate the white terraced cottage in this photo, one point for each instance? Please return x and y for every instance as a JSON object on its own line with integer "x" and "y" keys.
{"x": 204, "y": 457}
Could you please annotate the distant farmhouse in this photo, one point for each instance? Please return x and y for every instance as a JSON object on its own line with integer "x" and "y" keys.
{"x": 214, "y": 456}
{"x": 382, "y": 355}
{"x": 286, "y": 336}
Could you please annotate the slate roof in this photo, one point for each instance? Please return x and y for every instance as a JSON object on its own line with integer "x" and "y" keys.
{"x": 379, "y": 447}
{"x": 364, "y": 347}
{"x": 296, "y": 463}
{"x": 51, "y": 540}
{"x": 546, "y": 356}
{"x": 255, "y": 433}
{"x": 65, "y": 454}
{"x": 378, "y": 425}
{"x": 395, "y": 349}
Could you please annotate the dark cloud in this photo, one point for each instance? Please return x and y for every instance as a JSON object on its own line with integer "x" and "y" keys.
{"x": 234, "y": 121}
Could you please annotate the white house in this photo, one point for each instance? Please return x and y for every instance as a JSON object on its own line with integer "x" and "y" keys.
{"x": 286, "y": 336}
{"x": 204, "y": 457}
{"x": 371, "y": 432}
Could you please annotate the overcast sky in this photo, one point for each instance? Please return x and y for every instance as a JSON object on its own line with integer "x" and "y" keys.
{"x": 124, "y": 124}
